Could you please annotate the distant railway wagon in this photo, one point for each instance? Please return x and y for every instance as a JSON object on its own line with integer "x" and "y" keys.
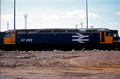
{"x": 36, "y": 39}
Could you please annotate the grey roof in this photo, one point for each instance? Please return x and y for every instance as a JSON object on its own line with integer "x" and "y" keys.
{"x": 58, "y": 30}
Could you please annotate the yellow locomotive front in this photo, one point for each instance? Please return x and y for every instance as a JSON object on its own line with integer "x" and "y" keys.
{"x": 9, "y": 38}
{"x": 110, "y": 37}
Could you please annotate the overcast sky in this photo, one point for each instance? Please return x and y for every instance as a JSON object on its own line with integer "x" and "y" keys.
{"x": 61, "y": 13}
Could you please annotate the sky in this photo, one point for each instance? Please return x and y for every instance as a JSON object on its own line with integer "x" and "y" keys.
{"x": 60, "y": 14}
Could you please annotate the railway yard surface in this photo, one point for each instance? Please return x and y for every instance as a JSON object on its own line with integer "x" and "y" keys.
{"x": 94, "y": 64}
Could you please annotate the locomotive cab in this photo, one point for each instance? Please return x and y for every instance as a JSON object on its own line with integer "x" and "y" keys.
{"x": 109, "y": 37}
{"x": 115, "y": 35}
{"x": 105, "y": 38}
{"x": 9, "y": 38}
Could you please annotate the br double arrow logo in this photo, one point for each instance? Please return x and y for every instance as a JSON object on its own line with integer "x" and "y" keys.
{"x": 80, "y": 38}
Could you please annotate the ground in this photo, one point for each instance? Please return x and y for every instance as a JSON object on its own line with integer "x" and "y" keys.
{"x": 96, "y": 64}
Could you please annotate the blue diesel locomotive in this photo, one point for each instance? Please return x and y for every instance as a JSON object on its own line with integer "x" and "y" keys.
{"x": 66, "y": 39}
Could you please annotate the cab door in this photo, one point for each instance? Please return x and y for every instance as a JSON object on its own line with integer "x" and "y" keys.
{"x": 9, "y": 38}
{"x": 102, "y": 37}
{"x": 12, "y": 38}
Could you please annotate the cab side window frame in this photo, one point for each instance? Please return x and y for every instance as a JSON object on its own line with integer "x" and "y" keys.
{"x": 115, "y": 35}
{"x": 108, "y": 34}
{"x": 13, "y": 34}
{"x": 7, "y": 35}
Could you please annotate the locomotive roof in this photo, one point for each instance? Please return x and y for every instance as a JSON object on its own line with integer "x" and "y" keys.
{"x": 2, "y": 32}
{"x": 59, "y": 30}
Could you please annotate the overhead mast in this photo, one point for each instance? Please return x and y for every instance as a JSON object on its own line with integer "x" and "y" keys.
{"x": 0, "y": 15}
{"x": 87, "y": 14}
{"x": 14, "y": 14}
{"x": 25, "y": 16}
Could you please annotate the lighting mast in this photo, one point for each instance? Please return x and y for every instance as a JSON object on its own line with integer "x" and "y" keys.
{"x": 0, "y": 15}
{"x": 25, "y": 16}
{"x": 14, "y": 14}
{"x": 7, "y": 25}
{"x": 87, "y": 13}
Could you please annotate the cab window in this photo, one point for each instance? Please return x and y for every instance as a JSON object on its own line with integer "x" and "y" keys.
{"x": 13, "y": 35}
{"x": 7, "y": 35}
{"x": 108, "y": 34}
{"x": 115, "y": 35}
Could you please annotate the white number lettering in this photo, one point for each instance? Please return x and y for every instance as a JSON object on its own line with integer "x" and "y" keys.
{"x": 26, "y": 40}
{"x": 23, "y": 40}
{"x": 29, "y": 40}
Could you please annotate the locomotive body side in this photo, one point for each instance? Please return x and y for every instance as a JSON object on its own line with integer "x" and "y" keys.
{"x": 57, "y": 40}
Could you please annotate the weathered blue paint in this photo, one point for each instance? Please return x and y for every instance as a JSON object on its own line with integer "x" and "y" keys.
{"x": 55, "y": 38}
